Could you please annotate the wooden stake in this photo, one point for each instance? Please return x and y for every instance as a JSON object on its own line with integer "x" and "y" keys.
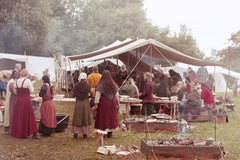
{"x": 226, "y": 88}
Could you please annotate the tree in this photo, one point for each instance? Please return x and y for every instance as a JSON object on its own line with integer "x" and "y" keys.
{"x": 22, "y": 25}
{"x": 231, "y": 54}
{"x": 103, "y": 22}
{"x": 185, "y": 43}
{"x": 69, "y": 27}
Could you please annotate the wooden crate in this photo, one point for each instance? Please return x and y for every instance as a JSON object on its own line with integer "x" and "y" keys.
{"x": 180, "y": 152}
{"x": 219, "y": 119}
{"x": 62, "y": 122}
{"x": 205, "y": 116}
{"x": 154, "y": 126}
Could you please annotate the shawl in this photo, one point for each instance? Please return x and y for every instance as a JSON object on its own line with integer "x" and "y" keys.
{"x": 108, "y": 94}
{"x": 81, "y": 90}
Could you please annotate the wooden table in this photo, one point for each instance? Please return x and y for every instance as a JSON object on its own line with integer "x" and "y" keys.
{"x": 172, "y": 107}
{"x": 39, "y": 99}
{"x": 139, "y": 101}
{"x": 129, "y": 102}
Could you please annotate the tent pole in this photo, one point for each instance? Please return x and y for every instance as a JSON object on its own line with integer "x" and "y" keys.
{"x": 151, "y": 59}
{"x": 66, "y": 80}
{"x": 136, "y": 52}
{"x": 140, "y": 55}
{"x": 56, "y": 73}
{"x": 128, "y": 61}
{"x": 226, "y": 88}
{"x": 213, "y": 83}
{"x": 70, "y": 70}
{"x": 79, "y": 67}
{"x": 117, "y": 63}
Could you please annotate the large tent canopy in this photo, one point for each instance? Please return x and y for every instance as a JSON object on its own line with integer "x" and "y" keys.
{"x": 151, "y": 48}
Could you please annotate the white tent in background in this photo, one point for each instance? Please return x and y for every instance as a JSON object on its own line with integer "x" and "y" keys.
{"x": 220, "y": 82}
{"x": 34, "y": 64}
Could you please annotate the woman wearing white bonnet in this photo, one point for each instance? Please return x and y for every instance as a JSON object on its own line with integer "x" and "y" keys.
{"x": 81, "y": 122}
{"x": 82, "y": 76}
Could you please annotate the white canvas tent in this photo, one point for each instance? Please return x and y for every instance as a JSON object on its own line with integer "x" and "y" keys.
{"x": 150, "y": 47}
{"x": 34, "y": 64}
{"x": 216, "y": 71}
{"x": 131, "y": 52}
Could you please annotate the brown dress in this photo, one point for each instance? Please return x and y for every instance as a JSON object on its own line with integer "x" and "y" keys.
{"x": 81, "y": 122}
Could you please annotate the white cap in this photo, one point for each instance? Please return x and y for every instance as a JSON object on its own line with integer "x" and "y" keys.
{"x": 82, "y": 76}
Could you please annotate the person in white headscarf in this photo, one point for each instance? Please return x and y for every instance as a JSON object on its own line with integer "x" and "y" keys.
{"x": 81, "y": 122}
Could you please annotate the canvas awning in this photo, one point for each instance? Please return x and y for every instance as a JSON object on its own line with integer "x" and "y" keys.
{"x": 149, "y": 47}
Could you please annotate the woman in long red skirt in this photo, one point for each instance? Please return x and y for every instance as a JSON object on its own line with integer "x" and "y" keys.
{"x": 106, "y": 104}
{"x": 24, "y": 122}
{"x": 48, "y": 122}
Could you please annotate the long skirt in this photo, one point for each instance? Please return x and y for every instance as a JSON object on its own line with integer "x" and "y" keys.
{"x": 45, "y": 130}
{"x": 48, "y": 118}
{"x": 106, "y": 117}
{"x": 24, "y": 122}
{"x": 81, "y": 122}
{"x": 147, "y": 109}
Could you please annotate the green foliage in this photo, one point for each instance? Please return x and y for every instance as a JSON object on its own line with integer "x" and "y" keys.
{"x": 73, "y": 27}
{"x": 230, "y": 55}
{"x": 23, "y": 25}
{"x": 185, "y": 43}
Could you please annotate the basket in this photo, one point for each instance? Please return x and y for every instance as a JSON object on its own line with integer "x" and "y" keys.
{"x": 62, "y": 122}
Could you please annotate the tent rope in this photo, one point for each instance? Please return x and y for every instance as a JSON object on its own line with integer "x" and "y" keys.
{"x": 163, "y": 55}
{"x": 135, "y": 66}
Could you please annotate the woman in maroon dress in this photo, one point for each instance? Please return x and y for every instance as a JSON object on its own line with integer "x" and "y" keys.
{"x": 147, "y": 95}
{"x": 23, "y": 123}
{"x": 106, "y": 104}
{"x": 48, "y": 122}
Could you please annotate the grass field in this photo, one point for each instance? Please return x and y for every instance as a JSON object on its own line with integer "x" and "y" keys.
{"x": 62, "y": 146}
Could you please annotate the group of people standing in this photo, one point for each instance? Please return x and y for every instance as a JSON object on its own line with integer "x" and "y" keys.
{"x": 103, "y": 90}
{"x": 20, "y": 120}
{"x": 197, "y": 89}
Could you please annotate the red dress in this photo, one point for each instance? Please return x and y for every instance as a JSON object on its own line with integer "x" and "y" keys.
{"x": 106, "y": 117}
{"x": 24, "y": 122}
{"x": 48, "y": 113}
